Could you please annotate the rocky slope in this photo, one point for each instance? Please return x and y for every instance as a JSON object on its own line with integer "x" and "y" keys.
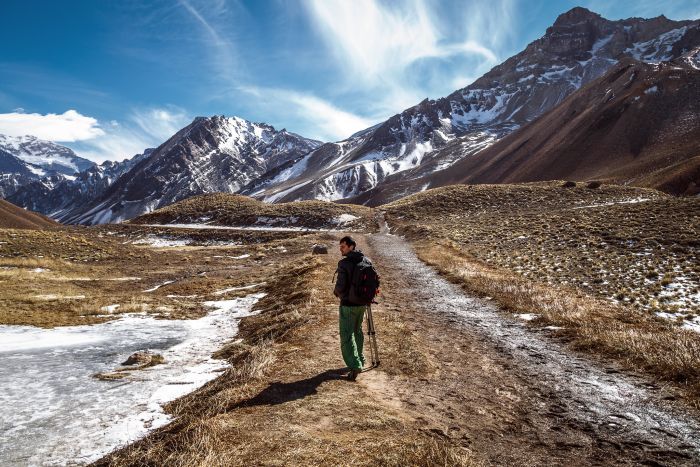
{"x": 59, "y": 195}
{"x": 638, "y": 124}
{"x": 436, "y": 134}
{"x": 13, "y": 174}
{"x": 212, "y": 154}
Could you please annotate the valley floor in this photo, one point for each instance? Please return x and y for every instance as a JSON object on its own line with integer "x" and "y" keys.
{"x": 459, "y": 384}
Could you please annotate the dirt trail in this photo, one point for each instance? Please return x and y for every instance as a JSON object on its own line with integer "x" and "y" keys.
{"x": 512, "y": 394}
{"x": 459, "y": 384}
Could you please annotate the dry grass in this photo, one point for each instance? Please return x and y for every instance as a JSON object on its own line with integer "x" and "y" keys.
{"x": 592, "y": 324}
{"x": 277, "y": 405}
{"x": 238, "y": 210}
{"x": 604, "y": 241}
{"x": 69, "y": 276}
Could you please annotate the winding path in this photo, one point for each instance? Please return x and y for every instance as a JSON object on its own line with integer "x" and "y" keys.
{"x": 616, "y": 412}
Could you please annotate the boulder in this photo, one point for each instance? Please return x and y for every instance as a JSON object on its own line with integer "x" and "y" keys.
{"x": 320, "y": 249}
{"x": 144, "y": 359}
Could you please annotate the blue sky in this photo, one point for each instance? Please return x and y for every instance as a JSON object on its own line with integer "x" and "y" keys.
{"x": 112, "y": 78}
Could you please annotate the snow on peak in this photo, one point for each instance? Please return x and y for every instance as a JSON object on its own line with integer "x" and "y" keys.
{"x": 44, "y": 154}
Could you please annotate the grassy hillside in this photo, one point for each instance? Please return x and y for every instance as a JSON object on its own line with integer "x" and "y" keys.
{"x": 14, "y": 217}
{"x": 237, "y": 210}
{"x": 632, "y": 246}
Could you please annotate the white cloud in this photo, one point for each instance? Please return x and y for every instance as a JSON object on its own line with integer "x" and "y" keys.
{"x": 315, "y": 117}
{"x": 69, "y": 126}
{"x": 144, "y": 128}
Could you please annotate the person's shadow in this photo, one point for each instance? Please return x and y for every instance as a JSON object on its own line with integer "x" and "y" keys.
{"x": 279, "y": 393}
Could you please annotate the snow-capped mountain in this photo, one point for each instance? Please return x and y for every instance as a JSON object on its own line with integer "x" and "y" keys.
{"x": 45, "y": 157}
{"x": 26, "y": 159}
{"x": 435, "y": 134}
{"x": 639, "y": 124}
{"x": 212, "y": 154}
{"x": 58, "y": 195}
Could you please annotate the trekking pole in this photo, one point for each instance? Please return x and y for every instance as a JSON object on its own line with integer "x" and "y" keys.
{"x": 373, "y": 349}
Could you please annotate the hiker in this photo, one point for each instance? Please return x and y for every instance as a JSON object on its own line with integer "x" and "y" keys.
{"x": 354, "y": 296}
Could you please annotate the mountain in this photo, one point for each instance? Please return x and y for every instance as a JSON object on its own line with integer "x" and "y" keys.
{"x": 639, "y": 124}
{"x": 14, "y": 217}
{"x": 58, "y": 195}
{"x": 212, "y": 154}
{"x": 49, "y": 157}
{"x": 26, "y": 159}
{"x": 435, "y": 135}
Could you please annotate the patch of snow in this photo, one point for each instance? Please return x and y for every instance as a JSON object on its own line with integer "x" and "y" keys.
{"x": 526, "y": 316}
{"x": 36, "y": 170}
{"x": 658, "y": 49}
{"x": 613, "y": 203}
{"x": 600, "y": 43}
{"x": 652, "y": 90}
{"x": 158, "y": 242}
{"x": 40, "y": 270}
{"x": 153, "y": 289}
{"x": 345, "y": 218}
{"x": 232, "y": 289}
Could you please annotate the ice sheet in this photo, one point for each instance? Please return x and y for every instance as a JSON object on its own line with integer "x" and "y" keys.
{"x": 53, "y": 412}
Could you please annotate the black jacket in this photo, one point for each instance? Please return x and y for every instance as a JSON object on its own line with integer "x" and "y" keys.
{"x": 344, "y": 271}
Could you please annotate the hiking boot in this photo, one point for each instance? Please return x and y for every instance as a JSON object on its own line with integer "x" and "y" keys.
{"x": 352, "y": 376}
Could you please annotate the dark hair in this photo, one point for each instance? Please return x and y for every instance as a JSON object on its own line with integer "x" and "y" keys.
{"x": 348, "y": 241}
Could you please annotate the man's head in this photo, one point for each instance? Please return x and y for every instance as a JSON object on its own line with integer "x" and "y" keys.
{"x": 347, "y": 244}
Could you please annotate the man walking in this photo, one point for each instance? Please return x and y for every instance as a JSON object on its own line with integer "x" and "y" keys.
{"x": 351, "y": 313}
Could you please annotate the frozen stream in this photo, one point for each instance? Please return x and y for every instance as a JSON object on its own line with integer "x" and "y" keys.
{"x": 53, "y": 412}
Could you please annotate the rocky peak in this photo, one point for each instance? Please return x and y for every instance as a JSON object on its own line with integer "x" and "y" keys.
{"x": 575, "y": 16}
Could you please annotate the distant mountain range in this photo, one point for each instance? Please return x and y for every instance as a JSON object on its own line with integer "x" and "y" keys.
{"x": 25, "y": 159}
{"x": 406, "y": 153}
{"x": 592, "y": 98}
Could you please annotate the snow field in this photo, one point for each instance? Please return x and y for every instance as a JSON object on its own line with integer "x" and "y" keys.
{"x": 53, "y": 412}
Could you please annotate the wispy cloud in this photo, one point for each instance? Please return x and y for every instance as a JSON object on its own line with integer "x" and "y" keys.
{"x": 402, "y": 52}
{"x": 314, "y": 117}
{"x": 69, "y": 126}
{"x": 214, "y": 20}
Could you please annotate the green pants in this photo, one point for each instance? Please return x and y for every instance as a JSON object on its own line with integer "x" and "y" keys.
{"x": 351, "y": 337}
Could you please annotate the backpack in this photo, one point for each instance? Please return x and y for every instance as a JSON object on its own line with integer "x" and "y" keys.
{"x": 364, "y": 283}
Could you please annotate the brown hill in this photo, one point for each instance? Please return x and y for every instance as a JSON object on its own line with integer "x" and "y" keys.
{"x": 638, "y": 124}
{"x": 226, "y": 209}
{"x": 14, "y": 217}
